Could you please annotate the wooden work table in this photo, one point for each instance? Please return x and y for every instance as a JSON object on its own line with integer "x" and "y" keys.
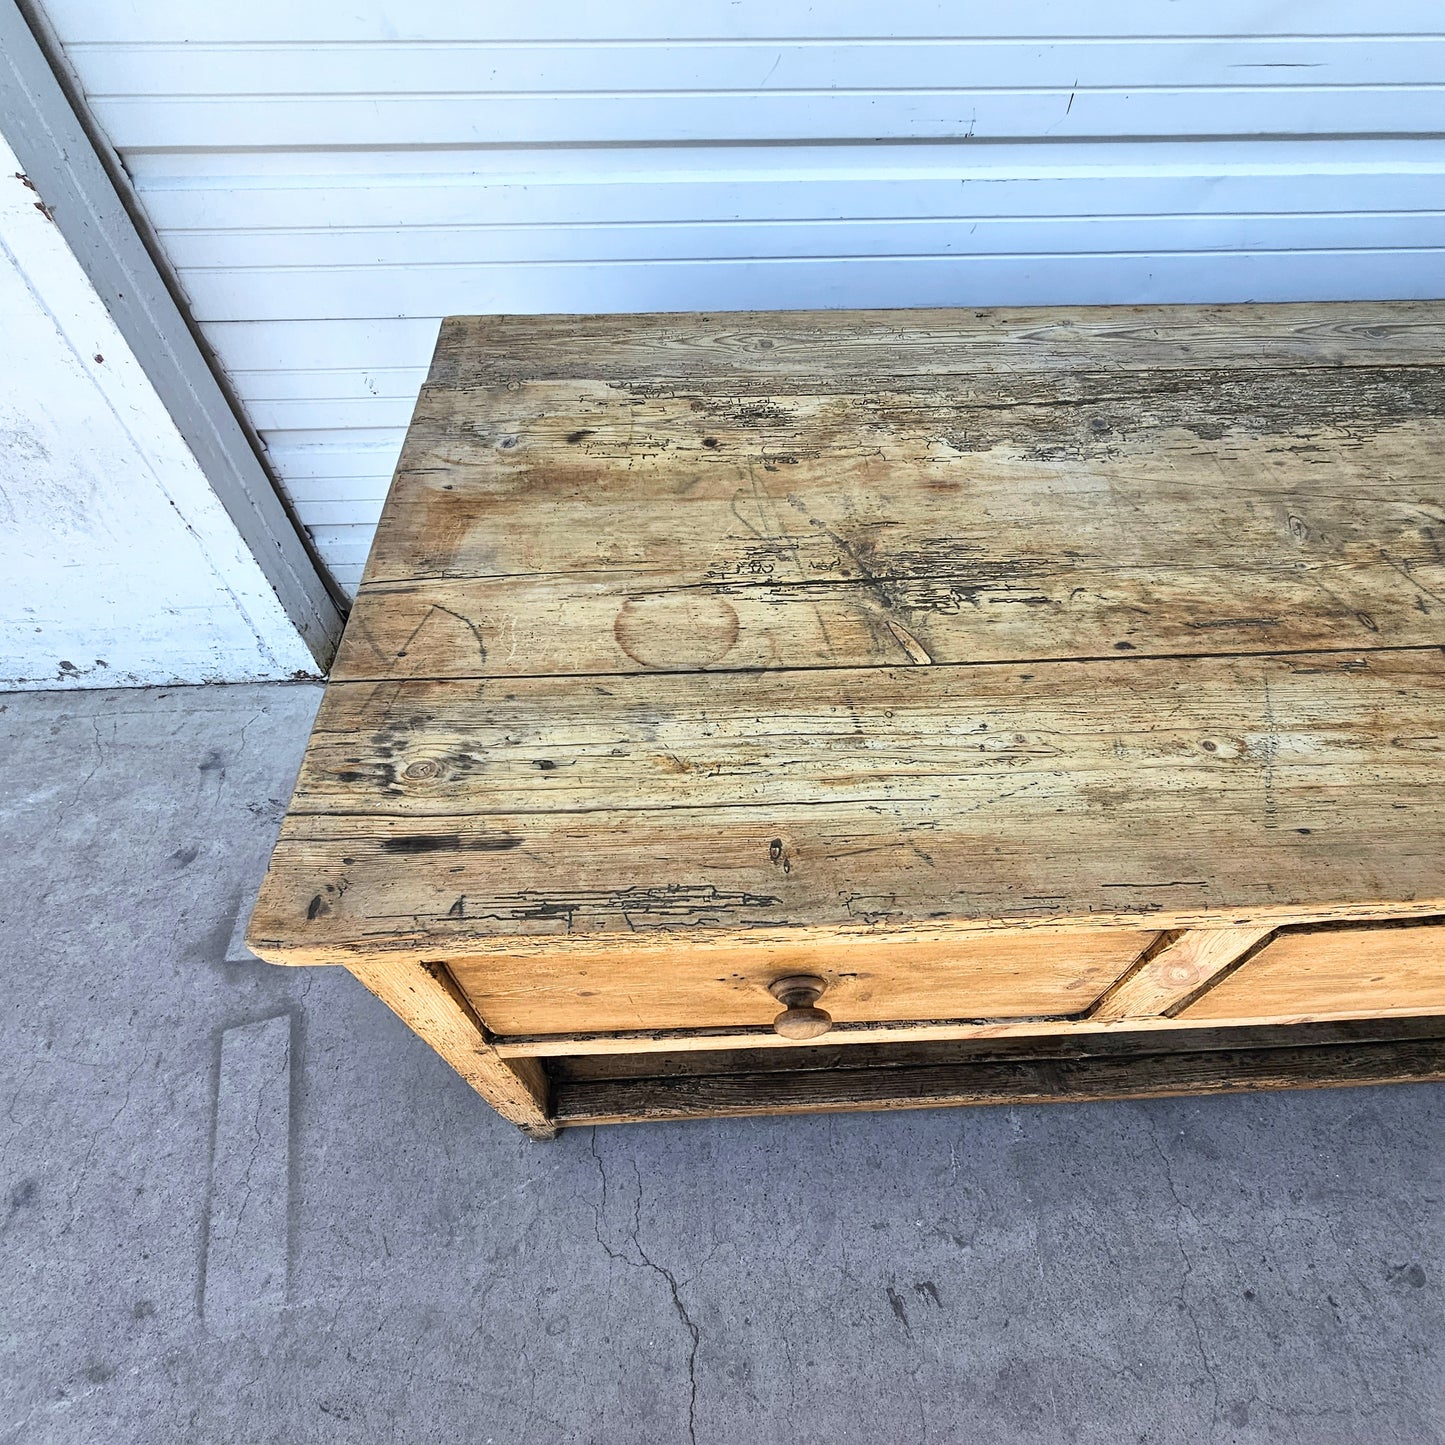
{"x": 771, "y": 712}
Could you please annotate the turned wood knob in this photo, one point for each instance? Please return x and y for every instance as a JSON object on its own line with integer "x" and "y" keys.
{"x": 801, "y": 1018}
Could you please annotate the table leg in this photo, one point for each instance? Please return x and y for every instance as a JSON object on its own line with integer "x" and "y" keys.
{"x": 426, "y": 998}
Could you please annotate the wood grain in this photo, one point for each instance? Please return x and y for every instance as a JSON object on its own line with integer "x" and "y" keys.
{"x": 591, "y": 1068}
{"x": 1398, "y": 969}
{"x": 805, "y": 807}
{"x": 773, "y": 348}
{"x": 578, "y": 529}
{"x": 990, "y": 976}
{"x": 1152, "y": 1076}
{"x": 641, "y": 1045}
{"x": 1168, "y": 978}
{"x": 427, "y": 1000}
{"x": 941, "y": 741}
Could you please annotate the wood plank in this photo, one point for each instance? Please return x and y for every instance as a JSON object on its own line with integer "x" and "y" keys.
{"x": 805, "y": 807}
{"x": 579, "y": 528}
{"x": 777, "y": 347}
{"x": 1396, "y": 968}
{"x": 1166, "y": 980}
{"x": 1110, "y": 1043}
{"x": 646, "y": 1043}
{"x": 989, "y": 976}
{"x": 1152, "y": 1076}
{"x": 428, "y": 1001}
{"x": 641, "y": 1043}
{"x": 937, "y": 741}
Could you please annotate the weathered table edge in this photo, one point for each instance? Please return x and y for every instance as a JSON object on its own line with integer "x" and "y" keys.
{"x": 445, "y": 940}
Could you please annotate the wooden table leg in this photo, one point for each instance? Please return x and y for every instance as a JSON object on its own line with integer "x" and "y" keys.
{"x": 426, "y": 998}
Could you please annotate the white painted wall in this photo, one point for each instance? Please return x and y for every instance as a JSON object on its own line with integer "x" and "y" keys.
{"x": 331, "y": 178}
{"x": 118, "y": 566}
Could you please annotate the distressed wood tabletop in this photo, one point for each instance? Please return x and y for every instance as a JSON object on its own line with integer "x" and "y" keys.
{"x": 733, "y": 630}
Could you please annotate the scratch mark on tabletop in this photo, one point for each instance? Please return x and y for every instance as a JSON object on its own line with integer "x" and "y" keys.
{"x": 1269, "y": 747}
{"x": 457, "y": 617}
{"x": 912, "y": 647}
{"x": 1407, "y": 572}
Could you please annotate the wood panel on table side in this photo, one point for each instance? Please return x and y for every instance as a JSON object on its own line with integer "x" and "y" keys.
{"x": 1336, "y": 969}
{"x": 874, "y": 1034}
{"x": 773, "y": 346}
{"x": 1168, "y": 976}
{"x": 1002, "y": 975}
{"x": 429, "y": 1002}
{"x": 545, "y": 531}
{"x": 1227, "y": 1071}
{"x": 821, "y": 1054}
{"x": 1378, "y": 979}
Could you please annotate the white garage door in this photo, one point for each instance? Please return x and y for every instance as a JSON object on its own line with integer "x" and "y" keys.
{"x": 330, "y": 178}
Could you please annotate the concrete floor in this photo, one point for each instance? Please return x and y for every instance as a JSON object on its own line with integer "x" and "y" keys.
{"x": 243, "y": 1204}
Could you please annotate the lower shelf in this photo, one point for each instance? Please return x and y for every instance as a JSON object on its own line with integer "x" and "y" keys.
{"x": 737, "y": 1083}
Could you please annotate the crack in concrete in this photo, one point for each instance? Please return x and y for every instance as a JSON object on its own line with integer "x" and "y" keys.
{"x": 648, "y": 1263}
{"x": 82, "y": 1173}
{"x": 1182, "y": 1298}
{"x": 85, "y": 781}
{"x": 245, "y": 728}
{"x": 257, "y": 1141}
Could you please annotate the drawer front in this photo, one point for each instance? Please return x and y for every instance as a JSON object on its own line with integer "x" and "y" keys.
{"x": 1331, "y": 972}
{"x": 994, "y": 976}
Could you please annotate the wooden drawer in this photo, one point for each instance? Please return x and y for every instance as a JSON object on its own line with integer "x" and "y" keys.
{"x": 997, "y": 976}
{"x": 1334, "y": 971}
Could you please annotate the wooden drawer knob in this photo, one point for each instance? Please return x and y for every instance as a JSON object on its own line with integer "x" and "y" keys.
{"x": 800, "y": 1018}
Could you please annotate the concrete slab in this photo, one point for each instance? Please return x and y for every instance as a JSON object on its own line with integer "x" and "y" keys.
{"x": 384, "y": 1260}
